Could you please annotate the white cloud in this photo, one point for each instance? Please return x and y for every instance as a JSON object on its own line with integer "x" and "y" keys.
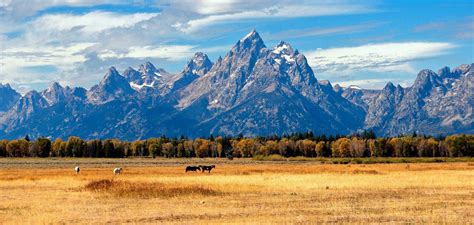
{"x": 215, "y": 6}
{"x": 288, "y": 10}
{"x": 16, "y": 63}
{"x": 384, "y": 57}
{"x": 170, "y": 52}
{"x": 63, "y": 47}
{"x": 90, "y": 22}
{"x": 60, "y": 56}
{"x": 374, "y": 83}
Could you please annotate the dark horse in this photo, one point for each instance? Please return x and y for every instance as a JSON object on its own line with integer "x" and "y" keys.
{"x": 192, "y": 168}
{"x": 208, "y": 168}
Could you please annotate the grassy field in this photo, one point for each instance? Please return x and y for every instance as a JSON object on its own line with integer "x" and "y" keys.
{"x": 239, "y": 191}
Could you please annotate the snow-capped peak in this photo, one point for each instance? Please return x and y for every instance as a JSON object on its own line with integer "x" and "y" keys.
{"x": 199, "y": 64}
{"x": 283, "y": 48}
{"x": 146, "y": 76}
{"x": 285, "y": 51}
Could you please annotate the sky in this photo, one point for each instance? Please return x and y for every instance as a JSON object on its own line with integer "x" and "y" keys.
{"x": 365, "y": 43}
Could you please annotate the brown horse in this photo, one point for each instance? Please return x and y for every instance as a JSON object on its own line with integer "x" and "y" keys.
{"x": 192, "y": 168}
{"x": 208, "y": 168}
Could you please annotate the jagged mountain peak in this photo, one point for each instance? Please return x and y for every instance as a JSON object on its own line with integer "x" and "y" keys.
{"x": 113, "y": 86}
{"x": 200, "y": 58}
{"x": 54, "y": 93}
{"x": 131, "y": 74}
{"x": 252, "y": 35}
{"x": 259, "y": 83}
{"x": 8, "y": 97}
{"x": 389, "y": 86}
{"x": 283, "y": 48}
{"x": 463, "y": 68}
{"x": 55, "y": 86}
{"x": 240, "y": 60}
{"x": 147, "y": 68}
{"x": 283, "y": 51}
{"x": 199, "y": 55}
{"x": 112, "y": 71}
{"x": 251, "y": 41}
{"x": 426, "y": 72}
{"x": 426, "y": 77}
{"x": 444, "y": 72}
{"x": 147, "y": 76}
{"x": 128, "y": 70}
{"x": 199, "y": 64}
{"x": 111, "y": 76}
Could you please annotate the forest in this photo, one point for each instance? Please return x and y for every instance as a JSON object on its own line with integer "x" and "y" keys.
{"x": 365, "y": 144}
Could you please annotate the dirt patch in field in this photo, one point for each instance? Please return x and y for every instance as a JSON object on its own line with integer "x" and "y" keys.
{"x": 116, "y": 188}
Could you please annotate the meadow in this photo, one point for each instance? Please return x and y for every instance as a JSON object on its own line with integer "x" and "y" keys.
{"x": 240, "y": 191}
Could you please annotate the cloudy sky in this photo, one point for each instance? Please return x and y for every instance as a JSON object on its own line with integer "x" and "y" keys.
{"x": 366, "y": 43}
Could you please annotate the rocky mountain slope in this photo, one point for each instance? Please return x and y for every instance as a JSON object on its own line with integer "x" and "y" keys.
{"x": 437, "y": 103}
{"x": 252, "y": 90}
{"x": 8, "y": 97}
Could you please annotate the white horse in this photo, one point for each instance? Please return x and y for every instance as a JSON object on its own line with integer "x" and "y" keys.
{"x": 118, "y": 170}
{"x": 77, "y": 169}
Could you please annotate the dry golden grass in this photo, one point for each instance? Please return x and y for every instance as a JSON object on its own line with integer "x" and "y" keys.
{"x": 121, "y": 189}
{"x": 240, "y": 193}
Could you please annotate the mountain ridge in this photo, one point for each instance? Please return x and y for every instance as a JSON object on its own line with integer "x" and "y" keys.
{"x": 252, "y": 90}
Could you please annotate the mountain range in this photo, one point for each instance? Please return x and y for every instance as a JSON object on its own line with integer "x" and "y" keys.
{"x": 253, "y": 90}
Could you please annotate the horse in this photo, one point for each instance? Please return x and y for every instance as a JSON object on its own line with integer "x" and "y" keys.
{"x": 208, "y": 168}
{"x": 192, "y": 168}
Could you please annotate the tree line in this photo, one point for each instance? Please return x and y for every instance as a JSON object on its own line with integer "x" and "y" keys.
{"x": 298, "y": 144}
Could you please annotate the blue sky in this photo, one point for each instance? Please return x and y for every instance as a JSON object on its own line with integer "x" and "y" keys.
{"x": 366, "y": 43}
